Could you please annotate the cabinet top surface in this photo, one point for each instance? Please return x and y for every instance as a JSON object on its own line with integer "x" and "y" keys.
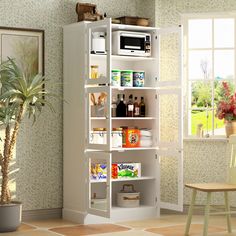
{"x": 119, "y": 26}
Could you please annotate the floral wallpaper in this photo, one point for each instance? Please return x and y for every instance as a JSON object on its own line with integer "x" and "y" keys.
{"x": 36, "y": 173}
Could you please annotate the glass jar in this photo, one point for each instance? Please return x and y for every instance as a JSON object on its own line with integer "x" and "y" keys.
{"x": 94, "y": 72}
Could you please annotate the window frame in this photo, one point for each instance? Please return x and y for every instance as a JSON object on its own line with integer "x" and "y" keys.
{"x": 186, "y": 88}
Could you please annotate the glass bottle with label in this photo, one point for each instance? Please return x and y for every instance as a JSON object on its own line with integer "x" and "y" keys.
{"x": 142, "y": 107}
{"x": 136, "y": 107}
{"x": 130, "y": 106}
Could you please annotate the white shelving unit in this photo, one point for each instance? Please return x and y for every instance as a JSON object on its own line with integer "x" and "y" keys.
{"x": 79, "y": 152}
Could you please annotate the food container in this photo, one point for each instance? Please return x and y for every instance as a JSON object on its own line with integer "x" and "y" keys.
{"x": 126, "y": 170}
{"x": 128, "y": 197}
{"x": 115, "y": 77}
{"x": 132, "y": 138}
{"x": 138, "y": 78}
{"x": 98, "y": 111}
{"x": 94, "y": 72}
{"x": 145, "y": 138}
{"x": 116, "y": 137}
{"x": 127, "y": 78}
{"x": 98, "y": 171}
{"x": 99, "y": 136}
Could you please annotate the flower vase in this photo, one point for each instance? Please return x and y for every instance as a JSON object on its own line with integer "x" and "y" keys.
{"x": 230, "y": 127}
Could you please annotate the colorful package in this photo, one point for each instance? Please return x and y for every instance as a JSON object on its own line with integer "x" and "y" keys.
{"x": 126, "y": 170}
{"x": 132, "y": 138}
{"x": 98, "y": 171}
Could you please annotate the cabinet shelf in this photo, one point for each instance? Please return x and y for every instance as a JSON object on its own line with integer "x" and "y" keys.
{"x": 134, "y": 149}
{"x": 133, "y": 118}
{"x": 124, "y": 118}
{"x": 124, "y": 179}
{"x": 141, "y": 207}
{"x": 134, "y": 88}
{"x": 121, "y": 58}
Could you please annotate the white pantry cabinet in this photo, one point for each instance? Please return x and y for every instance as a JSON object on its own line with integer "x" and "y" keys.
{"x": 88, "y": 200}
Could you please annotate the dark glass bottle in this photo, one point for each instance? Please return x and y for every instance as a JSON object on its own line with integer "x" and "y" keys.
{"x": 121, "y": 107}
{"x": 136, "y": 107}
{"x": 130, "y": 106}
{"x": 142, "y": 107}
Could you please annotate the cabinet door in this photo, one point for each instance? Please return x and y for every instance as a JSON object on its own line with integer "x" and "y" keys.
{"x": 171, "y": 179}
{"x": 98, "y": 183}
{"x": 170, "y": 142}
{"x": 170, "y": 57}
{"x": 98, "y": 118}
{"x": 98, "y": 38}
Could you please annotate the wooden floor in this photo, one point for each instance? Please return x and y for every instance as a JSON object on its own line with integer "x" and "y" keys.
{"x": 167, "y": 225}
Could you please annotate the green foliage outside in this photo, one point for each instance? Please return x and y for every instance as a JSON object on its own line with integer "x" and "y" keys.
{"x": 200, "y": 117}
{"x": 201, "y": 98}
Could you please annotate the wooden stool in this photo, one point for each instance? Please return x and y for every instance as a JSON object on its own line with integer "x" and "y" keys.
{"x": 210, "y": 188}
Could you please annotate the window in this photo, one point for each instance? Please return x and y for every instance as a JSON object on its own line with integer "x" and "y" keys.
{"x": 209, "y": 60}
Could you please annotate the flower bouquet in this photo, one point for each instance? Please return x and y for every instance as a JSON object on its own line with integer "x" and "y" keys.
{"x": 226, "y": 108}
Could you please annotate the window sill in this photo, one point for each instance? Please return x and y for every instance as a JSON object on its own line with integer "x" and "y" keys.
{"x": 210, "y": 139}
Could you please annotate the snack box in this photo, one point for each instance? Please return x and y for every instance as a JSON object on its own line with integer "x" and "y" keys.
{"x": 98, "y": 171}
{"x": 119, "y": 171}
{"x": 126, "y": 170}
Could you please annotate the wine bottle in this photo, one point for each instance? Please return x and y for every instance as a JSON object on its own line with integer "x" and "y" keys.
{"x": 142, "y": 107}
{"x": 121, "y": 108}
{"x": 136, "y": 107}
{"x": 130, "y": 106}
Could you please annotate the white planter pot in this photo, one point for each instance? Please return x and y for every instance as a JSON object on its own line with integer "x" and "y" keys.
{"x": 10, "y": 216}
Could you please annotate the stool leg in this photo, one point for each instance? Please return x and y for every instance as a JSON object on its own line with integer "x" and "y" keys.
{"x": 190, "y": 212}
{"x": 227, "y": 208}
{"x": 207, "y": 211}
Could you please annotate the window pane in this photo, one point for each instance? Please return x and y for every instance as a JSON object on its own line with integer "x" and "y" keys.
{"x": 200, "y": 64}
{"x": 201, "y": 97}
{"x": 200, "y": 33}
{"x": 224, "y": 64}
{"x": 201, "y": 118}
{"x": 224, "y": 33}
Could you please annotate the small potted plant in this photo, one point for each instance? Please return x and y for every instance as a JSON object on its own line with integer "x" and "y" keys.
{"x": 21, "y": 95}
{"x": 226, "y": 109}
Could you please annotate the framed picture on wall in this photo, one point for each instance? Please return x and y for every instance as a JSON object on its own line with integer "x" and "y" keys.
{"x": 25, "y": 46}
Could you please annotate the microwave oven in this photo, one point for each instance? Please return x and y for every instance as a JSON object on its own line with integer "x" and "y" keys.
{"x": 131, "y": 43}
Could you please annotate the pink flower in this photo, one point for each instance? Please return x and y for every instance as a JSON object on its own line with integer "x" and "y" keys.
{"x": 226, "y": 108}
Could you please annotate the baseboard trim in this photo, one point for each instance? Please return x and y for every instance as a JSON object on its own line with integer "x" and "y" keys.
{"x": 42, "y": 214}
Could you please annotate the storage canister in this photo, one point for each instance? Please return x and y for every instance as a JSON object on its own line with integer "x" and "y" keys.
{"x": 127, "y": 78}
{"x": 128, "y": 197}
{"x": 98, "y": 136}
{"x": 116, "y": 137}
{"x": 115, "y": 77}
{"x": 138, "y": 78}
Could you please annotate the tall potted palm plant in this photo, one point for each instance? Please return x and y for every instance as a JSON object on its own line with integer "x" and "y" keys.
{"x": 21, "y": 95}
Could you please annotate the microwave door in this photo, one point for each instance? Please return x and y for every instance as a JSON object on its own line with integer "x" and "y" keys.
{"x": 128, "y": 42}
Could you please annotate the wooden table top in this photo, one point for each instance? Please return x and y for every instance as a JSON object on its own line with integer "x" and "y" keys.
{"x": 212, "y": 187}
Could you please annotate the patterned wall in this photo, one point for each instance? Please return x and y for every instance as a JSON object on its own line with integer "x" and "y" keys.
{"x": 204, "y": 161}
{"x": 36, "y": 173}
